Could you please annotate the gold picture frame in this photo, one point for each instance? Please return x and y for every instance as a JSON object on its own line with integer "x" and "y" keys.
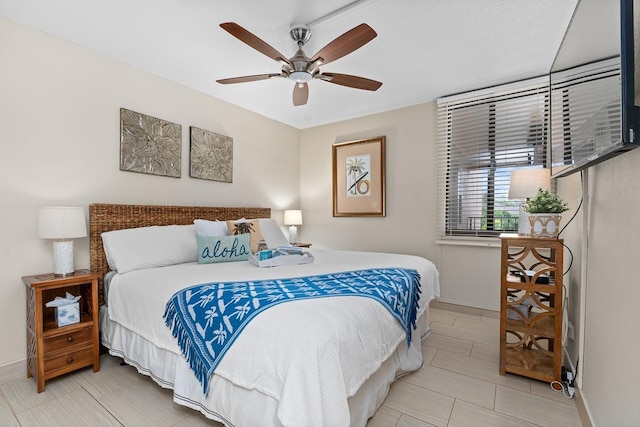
{"x": 359, "y": 177}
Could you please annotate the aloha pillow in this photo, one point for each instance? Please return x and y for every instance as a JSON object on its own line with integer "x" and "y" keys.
{"x": 247, "y": 226}
{"x": 205, "y": 227}
{"x": 223, "y": 248}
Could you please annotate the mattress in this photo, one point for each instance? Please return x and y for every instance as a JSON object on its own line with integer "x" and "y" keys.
{"x": 319, "y": 362}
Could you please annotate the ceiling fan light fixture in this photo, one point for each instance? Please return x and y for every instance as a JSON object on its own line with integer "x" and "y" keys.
{"x": 300, "y": 76}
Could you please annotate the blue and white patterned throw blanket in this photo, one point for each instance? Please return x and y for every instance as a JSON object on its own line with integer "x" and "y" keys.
{"x": 206, "y": 319}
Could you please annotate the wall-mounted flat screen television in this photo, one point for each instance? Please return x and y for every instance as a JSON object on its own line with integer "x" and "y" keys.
{"x": 595, "y": 86}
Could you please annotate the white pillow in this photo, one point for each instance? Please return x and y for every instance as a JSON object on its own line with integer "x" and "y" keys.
{"x": 147, "y": 247}
{"x": 211, "y": 228}
{"x": 272, "y": 233}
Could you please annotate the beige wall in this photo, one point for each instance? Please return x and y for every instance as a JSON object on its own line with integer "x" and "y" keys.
{"x": 409, "y": 225}
{"x": 59, "y": 145}
{"x": 611, "y": 346}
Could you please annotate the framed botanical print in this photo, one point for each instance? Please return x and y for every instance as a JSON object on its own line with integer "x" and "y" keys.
{"x": 358, "y": 177}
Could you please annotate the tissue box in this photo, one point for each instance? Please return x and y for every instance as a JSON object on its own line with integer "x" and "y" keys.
{"x": 68, "y": 314}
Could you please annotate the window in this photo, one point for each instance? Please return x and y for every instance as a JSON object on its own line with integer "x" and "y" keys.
{"x": 483, "y": 136}
{"x": 586, "y": 115}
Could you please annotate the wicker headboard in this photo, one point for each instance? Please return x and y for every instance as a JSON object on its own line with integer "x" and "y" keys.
{"x": 108, "y": 217}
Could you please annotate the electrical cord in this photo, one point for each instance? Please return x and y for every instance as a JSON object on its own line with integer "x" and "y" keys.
{"x": 570, "y": 259}
{"x": 569, "y": 222}
{"x": 566, "y": 385}
{"x": 579, "y": 204}
{"x": 567, "y": 390}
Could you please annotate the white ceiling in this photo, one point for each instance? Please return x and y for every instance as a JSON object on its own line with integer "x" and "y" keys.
{"x": 425, "y": 48}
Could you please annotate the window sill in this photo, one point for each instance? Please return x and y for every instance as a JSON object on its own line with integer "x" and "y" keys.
{"x": 484, "y": 242}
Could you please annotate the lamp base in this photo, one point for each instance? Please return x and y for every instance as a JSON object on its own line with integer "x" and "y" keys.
{"x": 524, "y": 228}
{"x": 63, "y": 257}
{"x": 293, "y": 234}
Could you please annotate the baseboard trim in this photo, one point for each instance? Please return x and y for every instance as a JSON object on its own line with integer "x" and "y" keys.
{"x": 464, "y": 309}
{"x": 583, "y": 410}
{"x": 464, "y": 304}
{"x": 12, "y": 371}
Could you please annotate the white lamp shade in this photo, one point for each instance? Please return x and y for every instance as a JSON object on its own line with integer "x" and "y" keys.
{"x": 525, "y": 182}
{"x": 293, "y": 217}
{"x": 57, "y": 222}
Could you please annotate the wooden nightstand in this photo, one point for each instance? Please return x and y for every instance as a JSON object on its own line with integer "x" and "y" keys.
{"x": 301, "y": 245}
{"x": 53, "y": 350}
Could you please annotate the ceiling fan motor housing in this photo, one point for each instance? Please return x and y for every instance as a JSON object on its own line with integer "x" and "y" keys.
{"x": 300, "y": 34}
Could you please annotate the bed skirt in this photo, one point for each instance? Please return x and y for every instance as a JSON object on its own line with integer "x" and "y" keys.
{"x": 164, "y": 366}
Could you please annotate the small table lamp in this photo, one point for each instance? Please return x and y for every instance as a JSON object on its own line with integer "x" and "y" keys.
{"x": 523, "y": 185}
{"x": 292, "y": 218}
{"x": 62, "y": 224}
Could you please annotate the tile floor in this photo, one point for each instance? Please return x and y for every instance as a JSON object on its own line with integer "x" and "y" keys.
{"x": 458, "y": 386}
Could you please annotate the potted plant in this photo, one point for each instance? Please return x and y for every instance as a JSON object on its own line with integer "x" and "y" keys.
{"x": 544, "y": 213}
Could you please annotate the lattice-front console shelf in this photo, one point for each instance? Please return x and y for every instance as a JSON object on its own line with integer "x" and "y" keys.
{"x": 531, "y": 307}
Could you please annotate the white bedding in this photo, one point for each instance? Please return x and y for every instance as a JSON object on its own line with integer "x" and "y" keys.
{"x": 299, "y": 362}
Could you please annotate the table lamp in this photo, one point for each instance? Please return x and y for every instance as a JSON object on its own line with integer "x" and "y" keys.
{"x": 523, "y": 185}
{"x": 293, "y": 218}
{"x": 62, "y": 224}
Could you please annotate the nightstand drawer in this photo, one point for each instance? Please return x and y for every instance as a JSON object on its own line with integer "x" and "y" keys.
{"x": 68, "y": 340}
{"x": 71, "y": 360}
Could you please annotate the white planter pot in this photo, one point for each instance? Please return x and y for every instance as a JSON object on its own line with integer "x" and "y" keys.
{"x": 544, "y": 224}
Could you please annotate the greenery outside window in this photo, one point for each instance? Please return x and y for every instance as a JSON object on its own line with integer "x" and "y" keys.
{"x": 483, "y": 136}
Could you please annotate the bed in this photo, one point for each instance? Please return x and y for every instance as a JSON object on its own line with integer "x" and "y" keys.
{"x": 314, "y": 362}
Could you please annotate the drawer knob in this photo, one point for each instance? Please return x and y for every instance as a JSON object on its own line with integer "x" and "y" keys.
{"x": 70, "y": 339}
{"x": 70, "y": 360}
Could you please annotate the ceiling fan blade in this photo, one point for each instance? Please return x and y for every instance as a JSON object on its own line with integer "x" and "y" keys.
{"x": 345, "y": 44}
{"x": 300, "y": 94}
{"x": 351, "y": 81}
{"x": 254, "y": 41}
{"x": 245, "y": 79}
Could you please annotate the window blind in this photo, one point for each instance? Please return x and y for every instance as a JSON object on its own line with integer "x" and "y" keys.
{"x": 585, "y": 114}
{"x": 483, "y": 136}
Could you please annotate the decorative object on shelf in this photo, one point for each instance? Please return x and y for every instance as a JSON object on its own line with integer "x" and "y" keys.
{"x": 293, "y": 218}
{"x": 66, "y": 309}
{"x": 359, "y": 177}
{"x": 62, "y": 224}
{"x": 523, "y": 185}
{"x": 544, "y": 213}
{"x": 149, "y": 145}
{"x": 211, "y": 155}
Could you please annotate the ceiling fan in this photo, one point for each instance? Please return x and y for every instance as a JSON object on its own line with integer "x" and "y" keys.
{"x": 301, "y": 68}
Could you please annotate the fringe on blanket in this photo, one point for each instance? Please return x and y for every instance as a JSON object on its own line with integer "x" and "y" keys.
{"x": 188, "y": 349}
{"x": 413, "y": 315}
